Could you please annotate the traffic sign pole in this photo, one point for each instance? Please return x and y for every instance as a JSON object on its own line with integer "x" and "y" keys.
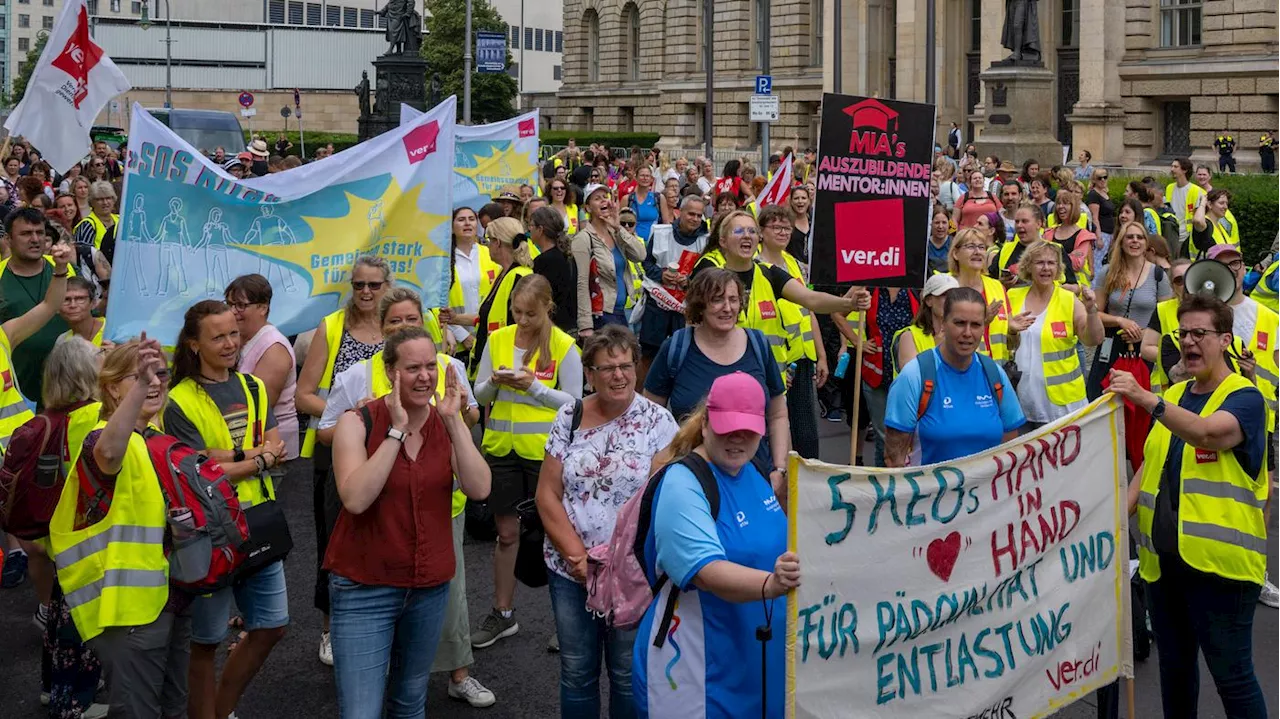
{"x": 766, "y": 9}
{"x": 302, "y": 135}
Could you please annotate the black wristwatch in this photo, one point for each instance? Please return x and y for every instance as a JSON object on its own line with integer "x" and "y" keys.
{"x": 238, "y": 455}
{"x": 1158, "y": 411}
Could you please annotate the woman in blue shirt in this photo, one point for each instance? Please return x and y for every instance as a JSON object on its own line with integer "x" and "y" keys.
{"x": 644, "y": 200}
{"x": 730, "y": 567}
{"x": 965, "y": 414}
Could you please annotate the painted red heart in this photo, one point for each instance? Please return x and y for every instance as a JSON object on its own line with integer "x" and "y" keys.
{"x": 942, "y": 554}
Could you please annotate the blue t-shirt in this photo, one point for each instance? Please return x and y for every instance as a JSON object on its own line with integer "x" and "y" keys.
{"x": 1247, "y": 407}
{"x": 646, "y": 213}
{"x": 710, "y": 663}
{"x": 620, "y": 272}
{"x": 962, "y": 418}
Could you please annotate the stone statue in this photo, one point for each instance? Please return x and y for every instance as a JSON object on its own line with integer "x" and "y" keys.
{"x": 404, "y": 27}
{"x": 1021, "y": 34}
{"x": 382, "y": 96}
{"x": 436, "y": 86}
{"x": 362, "y": 92}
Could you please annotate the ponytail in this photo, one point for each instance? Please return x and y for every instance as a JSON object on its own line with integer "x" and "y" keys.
{"x": 687, "y": 439}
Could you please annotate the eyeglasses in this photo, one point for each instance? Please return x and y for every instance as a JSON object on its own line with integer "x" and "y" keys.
{"x": 360, "y": 286}
{"x": 242, "y": 306}
{"x": 745, "y": 232}
{"x": 624, "y": 368}
{"x": 557, "y": 189}
{"x": 779, "y": 228}
{"x": 1179, "y": 280}
{"x": 1235, "y": 265}
{"x": 972, "y": 247}
{"x": 1196, "y": 334}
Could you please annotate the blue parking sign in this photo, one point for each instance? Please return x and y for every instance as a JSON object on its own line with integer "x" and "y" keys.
{"x": 764, "y": 84}
{"x": 491, "y": 51}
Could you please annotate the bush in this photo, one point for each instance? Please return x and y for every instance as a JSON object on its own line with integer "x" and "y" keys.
{"x": 585, "y": 138}
{"x": 1255, "y": 201}
{"x": 340, "y": 140}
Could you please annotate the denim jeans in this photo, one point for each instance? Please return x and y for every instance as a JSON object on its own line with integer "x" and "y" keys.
{"x": 1194, "y": 612}
{"x": 384, "y": 641}
{"x": 877, "y": 400}
{"x": 581, "y": 637}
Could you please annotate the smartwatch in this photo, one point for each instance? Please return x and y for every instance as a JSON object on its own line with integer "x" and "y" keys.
{"x": 396, "y": 434}
{"x": 1158, "y": 411}
{"x": 238, "y": 455}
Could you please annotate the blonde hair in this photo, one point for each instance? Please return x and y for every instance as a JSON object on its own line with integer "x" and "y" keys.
{"x": 1039, "y": 247}
{"x": 395, "y": 296}
{"x": 506, "y": 230}
{"x": 120, "y": 362}
{"x": 1069, "y": 198}
{"x": 70, "y": 373}
{"x": 687, "y": 438}
{"x": 1116, "y": 274}
{"x": 962, "y": 238}
{"x": 539, "y": 289}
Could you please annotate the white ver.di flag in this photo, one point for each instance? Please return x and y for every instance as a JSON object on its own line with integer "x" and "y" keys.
{"x": 73, "y": 80}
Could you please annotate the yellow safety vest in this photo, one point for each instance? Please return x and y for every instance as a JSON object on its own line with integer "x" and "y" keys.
{"x": 796, "y": 318}
{"x": 431, "y": 323}
{"x": 14, "y": 410}
{"x": 998, "y": 328}
{"x": 1082, "y": 222}
{"x": 204, "y": 415}
{"x": 1229, "y": 235}
{"x": 1264, "y": 294}
{"x": 1263, "y": 346}
{"x": 97, "y": 336}
{"x": 761, "y": 311}
{"x": 114, "y": 573}
{"x": 489, "y": 271}
{"x": 333, "y": 324}
{"x": 517, "y": 421}
{"x": 99, "y": 229}
{"x": 1167, "y": 312}
{"x": 571, "y": 219}
{"x": 380, "y": 386}
{"x": 4, "y": 263}
{"x": 1063, "y": 377}
{"x": 1220, "y": 525}
{"x": 497, "y": 317}
{"x": 637, "y": 283}
{"x": 924, "y": 342}
{"x": 1194, "y": 194}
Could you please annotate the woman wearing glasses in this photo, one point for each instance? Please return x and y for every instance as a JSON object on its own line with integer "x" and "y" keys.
{"x": 608, "y": 257}
{"x": 1103, "y": 212}
{"x": 1200, "y": 495}
{"x": 345, "y": 337}
{"x": 644, "y": 201}
{"x": 563, "y": 200}
{"x": 98, "y": 228}
{"x": 266, "y": 353}
{"x": 970, "y": 250}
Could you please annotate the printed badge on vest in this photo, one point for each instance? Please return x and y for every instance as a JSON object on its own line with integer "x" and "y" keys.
{"x": 548, "y": 373}
{"x": 1206, "y": 456}
{"x": 7, "y": 376}
{"x": 1262, "y": 341}
{"x": 767, "y": 310}
{"x": 1059, "y": 330}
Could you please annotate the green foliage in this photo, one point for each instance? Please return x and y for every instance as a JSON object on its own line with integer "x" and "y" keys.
{"x": 28, "y": 66}
{"x": 1255, "y": 201}
{"x": 492, "y": 94}
{"x": 315, "y": 140}
{"x": 585, "y": 138}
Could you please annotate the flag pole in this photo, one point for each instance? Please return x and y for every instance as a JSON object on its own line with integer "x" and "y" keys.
{"x": 854, "y": 443}
{"x": 1128, "y": 685}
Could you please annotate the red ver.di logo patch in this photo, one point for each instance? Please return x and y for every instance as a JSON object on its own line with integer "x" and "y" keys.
{"x": 421, "y": 142}
{"x": 869, "y": 240}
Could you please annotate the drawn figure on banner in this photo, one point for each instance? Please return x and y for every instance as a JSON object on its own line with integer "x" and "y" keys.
{"x": 173, "y": 239}
{"x": 271, "y": 229}
{"x": 136, "y": 231}
{"x": 214, "y": 239}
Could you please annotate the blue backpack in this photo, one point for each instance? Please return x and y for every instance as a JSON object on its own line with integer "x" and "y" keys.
{"x": 928, "y": 362}
{"x": 678, "y": 348}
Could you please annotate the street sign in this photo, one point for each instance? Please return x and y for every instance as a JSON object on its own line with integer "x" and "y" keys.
{"x": 248, "y": 112}
{"x": 298, "y": 113}
{"x": 764, "y": 108}
{"x": 286, "y": 112}
{"x": 115, "y": 106}
{"x": 246, "y": 99}
{"x": 491, "y": 51}
{"x": 764, "y": 84}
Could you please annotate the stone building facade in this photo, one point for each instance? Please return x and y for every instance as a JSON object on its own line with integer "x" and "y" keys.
{"x": 1135, "y": 81}
{"x": 638, "y": 65}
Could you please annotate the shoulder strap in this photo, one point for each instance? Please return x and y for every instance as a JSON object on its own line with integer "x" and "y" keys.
{"x": 677, "y": 349}
{"x": 367, "y": 418}
{"x": 576, "y": 420}
{"x": 707, "y": 479}
{"x": 928, "y": 364}
{"x": 759, "y": 346}
{"x": 992, "y": 371}
{"x": 259, "y": 425}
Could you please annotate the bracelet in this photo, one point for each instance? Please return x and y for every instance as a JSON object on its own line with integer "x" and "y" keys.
{"x": 64, "y": 274}
{"x": 765, "y": 586}
{"x": 262, "y": 463}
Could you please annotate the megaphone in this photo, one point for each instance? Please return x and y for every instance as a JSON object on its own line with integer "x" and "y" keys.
{"x": 1211, "y": 278}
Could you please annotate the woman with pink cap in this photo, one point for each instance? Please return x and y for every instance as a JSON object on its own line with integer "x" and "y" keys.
{"x": 719, "y": 534}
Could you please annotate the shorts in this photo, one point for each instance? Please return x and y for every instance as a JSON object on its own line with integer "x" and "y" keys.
{"x": 656, "y": 325}
{"x": 262, "y": 599}
{"x": 515, "y": 479}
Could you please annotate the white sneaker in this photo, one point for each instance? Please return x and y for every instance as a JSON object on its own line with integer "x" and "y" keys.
{"x": 326, "y": 650}
{"x": 471, "y": 691}
{"x": 96, "y": 711}
{"x": 1270, "y": 595}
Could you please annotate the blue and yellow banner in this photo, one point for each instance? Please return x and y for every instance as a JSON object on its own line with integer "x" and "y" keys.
{"x": 189, "y": 228}
{"x": 487, "y": 158}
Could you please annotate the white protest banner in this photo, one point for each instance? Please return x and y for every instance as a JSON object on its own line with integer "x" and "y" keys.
{"x": 487, "y": 158}
{"x": 188, "y": 228}
{"x": 992, "y": 586}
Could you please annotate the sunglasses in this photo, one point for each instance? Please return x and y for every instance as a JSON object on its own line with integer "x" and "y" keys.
{"x": 557, "y": 189}
{"x": 627, "y": 223}
{"x": 361, "y": 286}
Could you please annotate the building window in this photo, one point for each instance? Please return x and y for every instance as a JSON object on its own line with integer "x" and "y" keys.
{"x": 115, "y": 5}
{"x": 92, "y": 5}
{"x": 1176, "y": 117}
{"x": 1179, "y": 23}
{"x": 559, "y": 41}
{"x": 295, "y": 13}
{"x": 627, "y": 119}
{"x": 313, "y": 13}
{"x": 631, "y": 23}
{"x": 815, "y": 32}
{"x": 46, "y": 22}
{"x": 513, "y": 37}
{"x": 528, "y": 38}
{"x": 591, "y": 29}
{"x": 589, "y": 118}
{"x": 557, "y": 73}
{"x": 758, "y": 30}
{"x": 350, "y": 17}
{"x": 382, "y": 21}
{"x": 1070, "y": 24}
{"x": 275, "y": 12}
{"x": 537, "y": 39}
{"x": 28, "y": 2}
{"x": 367, "y": 18}
{"x": 24, "y": 44}
{"x": 24, "y": 21}
{"x": 975, "y": 25}
{"x": 135, "y": 7}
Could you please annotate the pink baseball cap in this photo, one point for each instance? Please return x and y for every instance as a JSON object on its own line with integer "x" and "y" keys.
{"x": 1223, "y": 249}
{"x": 735, "y": 403}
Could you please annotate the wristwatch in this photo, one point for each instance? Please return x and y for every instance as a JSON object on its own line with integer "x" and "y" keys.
{"x": 237, "y": 455}
{"x": 1158, "y": 411}
{"x": 396, "y": 434}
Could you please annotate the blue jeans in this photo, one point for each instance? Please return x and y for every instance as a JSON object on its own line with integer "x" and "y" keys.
{"x": 1193, "y": 612}
{"x": 877, "y": 400}
{"x": 384, "y": 641}
{"x": 581, "y": 637}
{"x": 263, "y": 600}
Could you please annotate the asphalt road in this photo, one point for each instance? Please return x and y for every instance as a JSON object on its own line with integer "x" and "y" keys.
{"x": 518, "y": 670}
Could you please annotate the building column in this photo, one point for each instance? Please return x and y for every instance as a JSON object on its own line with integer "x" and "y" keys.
{"x": 992, "y": 51}
{"x": 912, "y": 39}
{"x": 1097, "y": 120}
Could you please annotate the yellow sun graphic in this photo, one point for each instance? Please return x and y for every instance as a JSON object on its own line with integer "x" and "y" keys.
{"x": 391, "y": 226}
{"x": 498, "y": 168}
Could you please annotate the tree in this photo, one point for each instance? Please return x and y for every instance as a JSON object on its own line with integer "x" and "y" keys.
{"x": 28, "y": 66}
{"x": 491, "y": 93}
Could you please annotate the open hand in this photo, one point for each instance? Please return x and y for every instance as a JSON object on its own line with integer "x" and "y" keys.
{"x": 399, "y": 417}
{"x": 451, "y": 403}
{"x": 1021, "y": 321}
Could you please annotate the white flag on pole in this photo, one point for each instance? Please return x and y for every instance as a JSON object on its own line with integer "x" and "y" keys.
{"x": 775, "y": 193}
{"x": 73, "y": 80}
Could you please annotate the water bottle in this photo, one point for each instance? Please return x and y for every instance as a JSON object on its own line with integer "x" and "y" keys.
{"x": 842, "y": 366}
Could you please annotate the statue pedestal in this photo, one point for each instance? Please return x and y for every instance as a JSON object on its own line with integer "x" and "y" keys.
{"x": 1019, "y": 120}
{"x": 400, "y": 79}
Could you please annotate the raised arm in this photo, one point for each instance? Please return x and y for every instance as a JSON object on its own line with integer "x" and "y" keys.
{"x": 20, "y": 328}
{"x": 313, "y": 367}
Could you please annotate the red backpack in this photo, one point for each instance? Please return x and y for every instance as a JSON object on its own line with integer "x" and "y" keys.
{"x": 207, "y": 527}
{"x": 33, "y": 473}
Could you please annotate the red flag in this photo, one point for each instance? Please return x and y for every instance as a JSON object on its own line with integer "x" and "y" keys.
{"x": 775, "y": 193}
